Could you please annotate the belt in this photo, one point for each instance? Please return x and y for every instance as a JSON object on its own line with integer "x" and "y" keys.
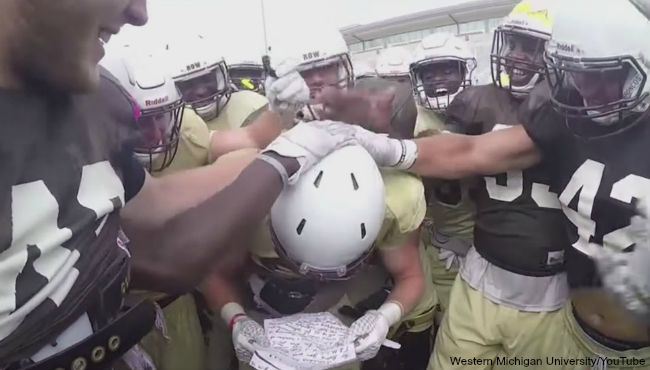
{"x": 406, "y": 325}
{"x": 105, "y": 346}
{"x": 456, "y": 245}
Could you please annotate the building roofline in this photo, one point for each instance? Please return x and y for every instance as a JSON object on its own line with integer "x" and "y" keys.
{"x": 460, "y": 13}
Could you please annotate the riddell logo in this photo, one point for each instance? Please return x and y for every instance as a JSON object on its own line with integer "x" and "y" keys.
{"x": 568, "y": 48}
{"x": 156, "y": 101}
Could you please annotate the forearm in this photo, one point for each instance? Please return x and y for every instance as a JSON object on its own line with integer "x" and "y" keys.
{"x": 218, "y": 290}
{"x": 184, "y": 190}
{"x": 408, "y": 292}
{"x": 453, "y": 156}
{"x": 176, "y": 255}
{"x": 258, "y": 135}
{"x": 405, "y": 267}
{"x": 444, "y": 156}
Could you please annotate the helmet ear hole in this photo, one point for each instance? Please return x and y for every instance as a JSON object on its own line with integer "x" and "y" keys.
{"x": 355, "y": 184}
{"x": 363, "y": 230}
{"x": 301, "y": 226}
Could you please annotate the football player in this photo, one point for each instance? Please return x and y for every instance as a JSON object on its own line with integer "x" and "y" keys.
{"x": 322, "y": 58}
{"x": 443, "y": 66}
{"x": 393, "y": 64}
{"x": 316, "y": 253}
{"x": 514, "y": 273}
{"x": 324, "y": 62}
{"x": 203, "y": 79}
{"x": 71, "y": 183}
{"x": 166, "y": 145}
{"x": 589, "y": 136}
{"x": 246, "y": 73}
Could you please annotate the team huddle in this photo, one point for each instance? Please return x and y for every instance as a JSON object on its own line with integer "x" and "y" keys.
{"x": 495, "y": 226}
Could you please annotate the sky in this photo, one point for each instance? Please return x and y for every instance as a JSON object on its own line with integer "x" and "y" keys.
{"x": 240, "y": 22}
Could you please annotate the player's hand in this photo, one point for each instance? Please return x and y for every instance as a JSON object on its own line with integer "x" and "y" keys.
{"x": 626, "y": 275}
{"x": 369, "y": 332}
{"x": 287, "y": 93}
{"x": 361, "y": 107}
{"x": 387, "y": 152}
{"x": 309, "y": 142}
{"x": 247, "y": 335}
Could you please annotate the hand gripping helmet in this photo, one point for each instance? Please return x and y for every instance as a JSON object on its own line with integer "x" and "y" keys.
{"x": 517, "y": 62}
{"x": 442, "y": 67}
{"x": 327, "y": 223}
{"x": 393, "y": 63}
{"x": 159, "y": 107}
{"x": 598, "y": 61}
{"x": 201, "y": 76}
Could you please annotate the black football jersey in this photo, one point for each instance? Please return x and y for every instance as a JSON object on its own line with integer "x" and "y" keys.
{"x": 63, "y": 163}
{"x": 599, "y": 173}
{"x": 519, "y": 224}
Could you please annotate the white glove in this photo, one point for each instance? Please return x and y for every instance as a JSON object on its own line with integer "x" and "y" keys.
{"x": 369, "y": 332}
{"x": 450, "y": 258}
{"x": 626, "y": 275}
{"x": 287, "y": 93}
{"x": 247, "y": 335}
{"x": 387, "y": 152}
{"x": 309, "y": 142}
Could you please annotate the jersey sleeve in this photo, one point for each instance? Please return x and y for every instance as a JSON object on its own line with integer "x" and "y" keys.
{"x": 405, "y": 208}
{"x": 463, "y": 113}
{"x": 133, "y": 174}
{"x": 547, "y": 130}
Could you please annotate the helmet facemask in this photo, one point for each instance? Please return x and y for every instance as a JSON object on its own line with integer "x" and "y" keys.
{"x": 207, "y": 93}
{"x": 603, "y": 90}
{"x": 247, "y": 77}
{"x": 517, "y": 59}
{"x": 436, "y": 81}
{"x": 159, "y": 133}
{"x": 334, "y": 72}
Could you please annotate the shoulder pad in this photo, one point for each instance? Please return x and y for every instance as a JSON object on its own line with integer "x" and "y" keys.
{"x": 405, "y": 204}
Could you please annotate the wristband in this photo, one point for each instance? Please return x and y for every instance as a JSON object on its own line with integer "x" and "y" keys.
{"x": 408, "y": 156}
{"x": 277, "y": 165}
{"x": 392, "y": 312}
{"x": 234, "y": 320}
{"x": 231, "y": 310}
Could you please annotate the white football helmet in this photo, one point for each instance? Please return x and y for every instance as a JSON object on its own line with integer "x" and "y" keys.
{"x": 517, "y": 62}
{"x": 364, "y": 70}
{"x": 158, "y": 106}
{"x": 315, "y": 54}
{"x": 599, "y": 61}
{"x": 393, "y": 63}
{"x": 201, "y": 76}
{"x": 327, "y": 223}
{"x": 443, "y": 66}
{"x": 246, "y": 71}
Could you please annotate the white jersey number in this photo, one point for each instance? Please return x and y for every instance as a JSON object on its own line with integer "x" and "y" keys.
{"x": 585, "y": 183}
{"x": 35, "y": 230}
{"x": 514, "y": 187}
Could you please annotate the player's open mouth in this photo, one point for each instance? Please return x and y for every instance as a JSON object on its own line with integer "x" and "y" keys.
{"x": 441, "y": 92}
